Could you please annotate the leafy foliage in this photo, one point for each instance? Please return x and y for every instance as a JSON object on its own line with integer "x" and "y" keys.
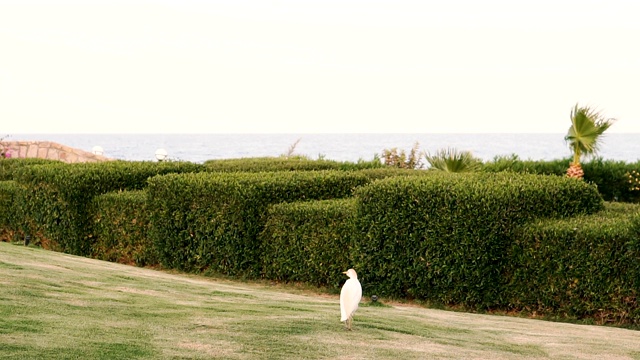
{"x": 309, "y": 241}
{"x": 8, "y": 167}
{"x": 443, "y": 238}
{"x": 59, "y": 195}
{"x": 454, "y": 161}
{"x": 285, "y": 164}
{"x": 9, "y": 218}
{"x": 608, "y": 175}
{"x": 581, "y": 267}
{"x": 120, "y": 224}
{"x": 634, "y": 180}
{"x": 587, "y": 127}
{"x": 514, "y": 164}
{"x": 211, "y": 221}
{"x": 400, "y": 159}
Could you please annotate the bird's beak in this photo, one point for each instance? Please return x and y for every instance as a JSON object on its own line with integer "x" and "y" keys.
{"x": 344, "y": 272}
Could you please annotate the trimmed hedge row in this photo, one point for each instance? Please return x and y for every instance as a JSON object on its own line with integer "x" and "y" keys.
{"x": 120, "y": 224}
{"x": 10, "y": 218}
{"x": 8, "y": 167}
{"x": 309, "y": 241}
{"x": 16, "y": 221}
{"x": 59, "y": 195}
{"x": 608, "y": 175}
{"x": 444, "y": 237}
{"x": 285, "y": 164}
{"x": 211, "y": 221}
{"x": 583, "y": 267}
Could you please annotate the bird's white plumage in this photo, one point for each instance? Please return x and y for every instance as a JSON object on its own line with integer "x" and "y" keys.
{"x": 350, "y": 296}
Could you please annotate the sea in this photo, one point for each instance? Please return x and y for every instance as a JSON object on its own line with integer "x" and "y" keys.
{"x": 341, "y": 147}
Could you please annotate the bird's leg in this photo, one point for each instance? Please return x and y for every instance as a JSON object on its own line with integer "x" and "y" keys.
{"x": 349, "y": 321}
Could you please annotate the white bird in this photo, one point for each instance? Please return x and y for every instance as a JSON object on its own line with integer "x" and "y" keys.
{"x": 350, "y": 296}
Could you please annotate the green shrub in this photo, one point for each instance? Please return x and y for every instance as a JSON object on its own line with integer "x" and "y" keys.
{"x": 608, "y": 175}
{"x": 539, "y": 167}
{"x": 453, "y": 161}
{"x": 16, "y": 222}
{"x": 18, "y": 218}
{"x": 309, "y": 241}
{"x": 285, "y": 164}
{"x": 582, "y": 267}
{"x": 443, "y": 237}
{"x": 120, "y": 226}
{"x": 58, "y": 195}
{"x": 401, "y": 160}
{"x": 8, "y": 215}
{"x": 611, "y": 178}
{"x": 388, "y": 171}
{"x": 211, "y": 221}
{"x": 9, "y": 166}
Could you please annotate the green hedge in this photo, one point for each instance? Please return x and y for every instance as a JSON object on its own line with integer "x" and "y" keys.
{"x": 309, "y": 241}
{"x": 388, "y": 171}
{"x": 16, "y": 221}
{"x": 444, "y": 237}
{"x": 608, "y": 175}
{"x": 58, "y": 195}
{"x": 583, "y": 267}
{"x": 211, "y": 221}
{"x": 515, "y": 164}
{"x": 285, "y": 164}
{"x": 121, "y": 223}
{"x": 8, "y": 167}
{"x": 9, "y": 215}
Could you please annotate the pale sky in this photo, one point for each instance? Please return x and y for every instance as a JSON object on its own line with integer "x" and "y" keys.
{"x": 316, "y": 66}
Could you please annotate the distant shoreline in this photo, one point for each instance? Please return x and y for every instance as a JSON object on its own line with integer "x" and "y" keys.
{"x": 340, "y": 147}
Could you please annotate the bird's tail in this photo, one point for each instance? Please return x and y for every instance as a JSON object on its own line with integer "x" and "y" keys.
{"x": 343, "y": 316}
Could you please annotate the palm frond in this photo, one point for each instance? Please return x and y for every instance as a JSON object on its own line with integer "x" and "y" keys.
{"x": 454, "y": 161}
{"x": 585, "y": 132}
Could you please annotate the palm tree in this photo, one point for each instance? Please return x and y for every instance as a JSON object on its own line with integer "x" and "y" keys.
{"x": 587, "y": 127}
{"x": 452, "y": 160}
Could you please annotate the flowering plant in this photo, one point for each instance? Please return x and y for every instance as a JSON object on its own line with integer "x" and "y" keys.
{"x": 634, "y": 180}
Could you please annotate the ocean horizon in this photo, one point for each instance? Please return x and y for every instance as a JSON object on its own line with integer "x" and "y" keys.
{"x": 340, "y": 147}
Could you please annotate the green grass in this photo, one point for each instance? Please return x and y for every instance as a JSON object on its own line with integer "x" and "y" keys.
{"x": 57, "y": 306}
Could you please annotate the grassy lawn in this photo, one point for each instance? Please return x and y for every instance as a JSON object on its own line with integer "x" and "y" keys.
{"x": 57, "y": 306}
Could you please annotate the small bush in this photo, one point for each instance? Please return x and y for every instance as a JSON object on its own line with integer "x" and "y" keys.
{"x": 400, "y": 159}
